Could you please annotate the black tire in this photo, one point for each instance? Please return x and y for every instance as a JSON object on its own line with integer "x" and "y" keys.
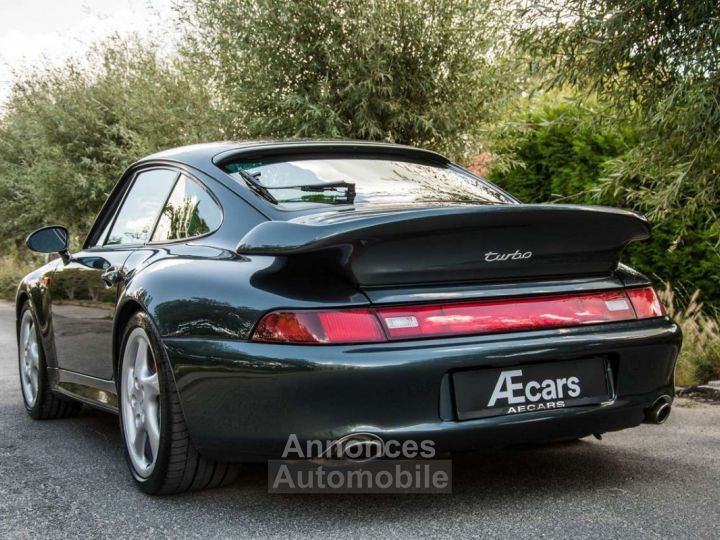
{"x": 47, "y": 406}
{"x": 178, "y": 467}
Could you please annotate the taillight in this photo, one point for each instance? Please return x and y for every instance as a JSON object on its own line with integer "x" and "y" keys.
{"x": 316, "y": 326}
{"x": 646, "y": 303}
{"x": 486, "y": 317}
{"x": 506, "y": 315}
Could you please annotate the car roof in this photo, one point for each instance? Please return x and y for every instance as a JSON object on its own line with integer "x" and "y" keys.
{"x": 208, "y": 158}
{"x": 204, "y": 155}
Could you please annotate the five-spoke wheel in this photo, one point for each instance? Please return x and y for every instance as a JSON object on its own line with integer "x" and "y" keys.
{"x": 29, "y": 358}
{"x": 141, "y": 402}
{"x": 40, "y": 401}
{"x": 161, "y": 456}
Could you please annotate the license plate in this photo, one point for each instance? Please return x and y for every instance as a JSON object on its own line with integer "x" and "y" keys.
{"x": 481, "y": 393}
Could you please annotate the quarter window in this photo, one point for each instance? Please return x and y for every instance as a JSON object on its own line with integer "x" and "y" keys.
{"x": 141, "y": 207}
{"x": 190, "y": 211}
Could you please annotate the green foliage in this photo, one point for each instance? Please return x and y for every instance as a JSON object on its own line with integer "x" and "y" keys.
{"x": 422, "y": 72}
{"x": 67, "y": 134}
{"x": 658, "y": 63}
{"x": 12, "y": 269}
{"x": 556, "y": 152}
{"x": 560, "y": 151}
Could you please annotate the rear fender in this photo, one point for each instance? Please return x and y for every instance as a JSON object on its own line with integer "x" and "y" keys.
{"x": 223, "y": 297}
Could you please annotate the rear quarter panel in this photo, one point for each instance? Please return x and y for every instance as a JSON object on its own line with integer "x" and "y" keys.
{"x": 199, "y": 291}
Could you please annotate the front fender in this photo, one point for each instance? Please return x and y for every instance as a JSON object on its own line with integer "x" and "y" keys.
{"x": 34, "y": 289}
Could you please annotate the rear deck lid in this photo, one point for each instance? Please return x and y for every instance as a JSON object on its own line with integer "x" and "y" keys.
{"x": 452, "y": 243}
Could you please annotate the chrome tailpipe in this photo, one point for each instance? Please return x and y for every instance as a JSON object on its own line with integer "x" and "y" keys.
{"x": 660, "y": 410}
{"x": 354, "y": 448}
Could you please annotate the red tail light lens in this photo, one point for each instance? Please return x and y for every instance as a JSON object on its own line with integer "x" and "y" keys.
{"x": 343, "y": 326}
{"x": 506, "y": 315}
{"x": 487, "y": 317}
{"x": 646, "y": 303}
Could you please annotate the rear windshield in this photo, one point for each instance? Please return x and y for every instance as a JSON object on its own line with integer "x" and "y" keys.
{"x": 299, "y": 183}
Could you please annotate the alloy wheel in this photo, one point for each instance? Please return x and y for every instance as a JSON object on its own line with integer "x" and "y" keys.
{"x": 140, "y": 400}
{"x": 29, "y": 358}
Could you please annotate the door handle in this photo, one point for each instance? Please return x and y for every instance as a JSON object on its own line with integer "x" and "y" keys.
{"x": 111, "y": 277}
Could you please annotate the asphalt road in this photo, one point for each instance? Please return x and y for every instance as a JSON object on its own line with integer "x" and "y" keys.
{"x": 67, "y": 478}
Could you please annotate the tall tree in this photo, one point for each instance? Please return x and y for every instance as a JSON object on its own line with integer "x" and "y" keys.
{"x": 425, "y": 72}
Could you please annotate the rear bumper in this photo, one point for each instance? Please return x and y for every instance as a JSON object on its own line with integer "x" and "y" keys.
{"x": 242, "y": 400}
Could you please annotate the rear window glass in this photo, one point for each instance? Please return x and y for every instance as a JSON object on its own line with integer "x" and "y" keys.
{"x": 298, "y": 183}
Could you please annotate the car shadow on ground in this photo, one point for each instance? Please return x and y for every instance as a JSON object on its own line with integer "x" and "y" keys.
{"x": 571, "y": 468}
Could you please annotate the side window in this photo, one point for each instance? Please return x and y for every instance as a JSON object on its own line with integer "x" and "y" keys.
{"x": 141, "y": 207}
{"x": 190, "y": 211}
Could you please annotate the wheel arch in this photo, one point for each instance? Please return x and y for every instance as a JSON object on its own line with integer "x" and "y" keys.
{"x": 20, "y": 299}
{"x": 124, "y": 312}
{"x": 33, "y": 296}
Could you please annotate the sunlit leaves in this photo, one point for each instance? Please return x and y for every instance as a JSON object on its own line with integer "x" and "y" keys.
{"x": 424, "y": 72}
{"x": 658, "y": 63}
{"x": 68, "y": 133}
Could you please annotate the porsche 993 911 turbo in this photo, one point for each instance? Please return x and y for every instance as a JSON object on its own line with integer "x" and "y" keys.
{"x": 231, "y": 294}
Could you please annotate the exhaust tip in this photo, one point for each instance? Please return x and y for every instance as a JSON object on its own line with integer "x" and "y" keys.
{"x": 660, "y": 411}
{"x": 356, "y": 447}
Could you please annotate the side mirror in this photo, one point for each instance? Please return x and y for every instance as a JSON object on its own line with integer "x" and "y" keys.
{"x": 53, "y": 239}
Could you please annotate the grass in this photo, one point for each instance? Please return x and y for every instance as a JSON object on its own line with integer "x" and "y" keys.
{"x": 699, "y": 359}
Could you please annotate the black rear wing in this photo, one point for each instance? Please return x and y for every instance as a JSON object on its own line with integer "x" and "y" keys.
{"x": 451, "y": 244}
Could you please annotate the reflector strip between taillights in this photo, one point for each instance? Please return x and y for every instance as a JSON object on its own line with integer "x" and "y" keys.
{"x": 456, "y": 319}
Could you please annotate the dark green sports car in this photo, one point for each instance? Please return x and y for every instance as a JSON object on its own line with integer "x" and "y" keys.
{"x": 230, "y": 295}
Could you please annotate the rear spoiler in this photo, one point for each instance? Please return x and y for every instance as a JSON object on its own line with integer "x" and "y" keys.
{"x": 457, "y": 243}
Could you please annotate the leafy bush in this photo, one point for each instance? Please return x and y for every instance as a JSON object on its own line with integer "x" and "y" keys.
{"x": 556, "y": 151}
{"x": 12, "y": 270}
{"x": 68, "y": 133}
{"x": 559, "y": 152}
{"x": 657, "y": 64}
